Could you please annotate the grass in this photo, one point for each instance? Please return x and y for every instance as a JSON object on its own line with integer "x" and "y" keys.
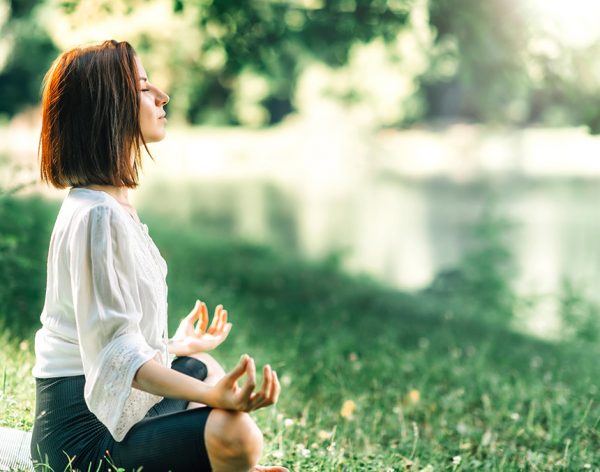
{"x": 373, "y": 379}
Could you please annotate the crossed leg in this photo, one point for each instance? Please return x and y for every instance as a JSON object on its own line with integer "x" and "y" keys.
{"x": 233, "y": 440}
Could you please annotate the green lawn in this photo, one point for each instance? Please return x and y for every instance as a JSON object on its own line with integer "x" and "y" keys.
{"x": 373, "y": 379}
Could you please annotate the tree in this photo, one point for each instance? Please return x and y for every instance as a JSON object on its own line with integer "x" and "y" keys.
{"x": 276, "y": 39}
{"x": 488, "y": 40}
{"x": 31, "y": 53}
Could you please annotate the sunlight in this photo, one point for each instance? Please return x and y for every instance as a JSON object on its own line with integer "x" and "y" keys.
{"x": 574, "y": 22}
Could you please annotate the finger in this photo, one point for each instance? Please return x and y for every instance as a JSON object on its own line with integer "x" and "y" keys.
{"x": 273, "y": 390}
{"x": 203, "y": 320}
{"x": 197, "y": 318}
{"x": 222, "y": 321}
{"x": 250, "y": 384}
{"x": 216, "y": 323}
{"x": 258, "y": 401}
{"x": 276, "y": 387}
{"x": 238, "y": 370}
{"x": 262, "y": 398}
{"x": 223, "y": 335}
{"x": 193, "y": 316}
{"x": 215, "y": 320}
{"x": 226, "y": 331}
{"x": 273, "y": 394}
{"x": 267, "y": 381}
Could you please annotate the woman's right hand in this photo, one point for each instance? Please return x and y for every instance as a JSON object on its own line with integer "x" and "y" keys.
{"x": 228, "y": 395}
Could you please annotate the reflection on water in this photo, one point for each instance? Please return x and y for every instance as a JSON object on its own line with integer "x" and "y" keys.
{"x": 253, "y": 210}
{"x": 403, "y": 232}
{"x": 400, "y": 205}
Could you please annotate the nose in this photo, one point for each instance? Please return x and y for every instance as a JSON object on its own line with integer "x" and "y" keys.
{"x": 162, "y": 98}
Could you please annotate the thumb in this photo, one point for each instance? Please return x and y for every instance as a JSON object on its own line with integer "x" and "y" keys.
{"x": 194, "y": 313}
{"x": 238, "y": 370}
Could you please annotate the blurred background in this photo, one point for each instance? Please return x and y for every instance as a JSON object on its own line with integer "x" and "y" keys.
{"x": 377, "y": 132}
{"x": 405, "y": 191}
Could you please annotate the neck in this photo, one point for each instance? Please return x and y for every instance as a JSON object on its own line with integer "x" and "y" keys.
{"x": 121, "y": 194}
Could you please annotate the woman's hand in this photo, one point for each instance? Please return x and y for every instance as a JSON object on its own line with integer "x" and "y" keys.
{"x": 192, "y": 336}
{"x": 228, "y": 395}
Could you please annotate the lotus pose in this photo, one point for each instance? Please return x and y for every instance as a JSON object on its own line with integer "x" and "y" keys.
{"x": 111, "y": 389}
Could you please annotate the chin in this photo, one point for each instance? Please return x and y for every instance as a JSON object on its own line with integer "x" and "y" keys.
{"x": 154, "y": 138}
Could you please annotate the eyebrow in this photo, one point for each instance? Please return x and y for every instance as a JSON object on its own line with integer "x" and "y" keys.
{"x": 144, "y": 79}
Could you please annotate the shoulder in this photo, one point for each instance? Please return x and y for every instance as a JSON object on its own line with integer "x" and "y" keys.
{"x": 95, "y": 223}
{"x": 93, "y": 207}
{"x": 102, "y": 233}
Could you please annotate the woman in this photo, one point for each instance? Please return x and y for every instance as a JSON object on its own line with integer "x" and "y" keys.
{"x": 111, "y": 389}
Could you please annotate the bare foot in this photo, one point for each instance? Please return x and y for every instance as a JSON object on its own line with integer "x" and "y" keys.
{"x": 269, "y": 468}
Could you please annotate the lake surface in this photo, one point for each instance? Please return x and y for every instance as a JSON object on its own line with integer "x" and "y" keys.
{"x": 400, "y": 206}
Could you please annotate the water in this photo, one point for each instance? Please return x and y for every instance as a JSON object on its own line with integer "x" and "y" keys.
{"x": 400, "y": 206}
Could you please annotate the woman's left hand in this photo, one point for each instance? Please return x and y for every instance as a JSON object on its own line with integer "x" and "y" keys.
{"x": 192, "y": 336}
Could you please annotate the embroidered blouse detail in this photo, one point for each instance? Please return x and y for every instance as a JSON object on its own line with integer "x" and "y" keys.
{"x": 105, "y": 312}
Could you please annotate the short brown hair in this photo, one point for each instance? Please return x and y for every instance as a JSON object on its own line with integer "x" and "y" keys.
{"x": 90, "y": 118}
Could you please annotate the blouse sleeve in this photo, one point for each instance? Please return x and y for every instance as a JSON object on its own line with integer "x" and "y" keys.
{"x": 107, "y": 315}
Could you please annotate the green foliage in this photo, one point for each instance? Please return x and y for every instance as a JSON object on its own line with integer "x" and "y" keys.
{"x": 17, "y": 386}
{"x": 491, "y": 39}
{"x": 31, "y": 53}
{"x": 580, "y": 316}
{"x": 480, "y": 287}
{"x": 276, "y": 39}
{"x": 483, "y": 65}
{"x": 579, "y": 90}
{"x": 510, "y": 67}
{"x": 25, "y": 227}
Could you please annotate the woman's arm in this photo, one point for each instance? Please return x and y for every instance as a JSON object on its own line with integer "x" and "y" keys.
{"x": 153, "y": 377}
{"x": 157, "y": 379}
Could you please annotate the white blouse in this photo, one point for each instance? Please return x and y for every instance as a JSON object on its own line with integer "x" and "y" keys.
{"x": 105, "y": 312}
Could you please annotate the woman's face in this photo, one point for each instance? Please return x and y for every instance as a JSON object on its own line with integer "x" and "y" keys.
{"x": 152, "y": 101}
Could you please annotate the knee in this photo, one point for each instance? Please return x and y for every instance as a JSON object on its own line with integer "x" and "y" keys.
{"x": 214, "y": 368}
{"x": 233, "y": 437}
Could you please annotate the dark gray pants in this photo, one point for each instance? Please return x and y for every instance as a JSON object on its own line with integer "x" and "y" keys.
{"x": 168, "y": 438}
